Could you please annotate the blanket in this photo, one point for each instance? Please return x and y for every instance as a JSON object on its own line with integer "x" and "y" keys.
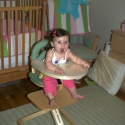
{"x": 66, "y": 21}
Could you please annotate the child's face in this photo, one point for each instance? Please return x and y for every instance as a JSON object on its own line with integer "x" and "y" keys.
{"x": 60, "y": 44}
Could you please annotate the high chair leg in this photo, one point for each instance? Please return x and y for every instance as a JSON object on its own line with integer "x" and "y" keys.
{"x": 57, "y": 117}
{"x": 36, "y": 114}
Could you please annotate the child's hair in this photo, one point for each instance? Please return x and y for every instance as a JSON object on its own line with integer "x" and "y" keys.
{"x": 58, "y": 33}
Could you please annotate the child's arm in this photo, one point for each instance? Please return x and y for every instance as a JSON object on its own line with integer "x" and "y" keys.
{"x": 50, "y": 65}
{"x": 78, "y": 60}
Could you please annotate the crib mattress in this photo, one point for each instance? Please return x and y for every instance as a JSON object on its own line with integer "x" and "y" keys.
{"x": 20, "y": 46}
{"x": 13, "y": 61}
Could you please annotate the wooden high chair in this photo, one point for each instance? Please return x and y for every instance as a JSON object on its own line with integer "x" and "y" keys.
{"x": 63, "y": 97}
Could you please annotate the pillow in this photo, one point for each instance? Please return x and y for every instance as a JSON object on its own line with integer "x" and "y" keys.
{"x": 107, "y": 73}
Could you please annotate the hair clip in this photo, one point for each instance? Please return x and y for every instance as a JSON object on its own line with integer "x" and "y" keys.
{"x": 54, "y": 33}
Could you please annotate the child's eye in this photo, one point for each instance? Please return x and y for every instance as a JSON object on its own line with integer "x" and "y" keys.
{"x": 66, "y": 42}
{"x": 59, "y": 42}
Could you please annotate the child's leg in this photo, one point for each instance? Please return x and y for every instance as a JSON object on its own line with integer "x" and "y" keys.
{"x": 50, "y": 88}
{"x": 69, "y": 84}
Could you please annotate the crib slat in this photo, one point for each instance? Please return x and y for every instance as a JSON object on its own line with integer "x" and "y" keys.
{"x": 43, "y": 21}
{"x": 36, "y": 25}
{"x": 40, "y": 15}
{"x": 2, "y": 49}
{"x": 23, "y": 37}
{"x": 30, "y": 3}
{"x": 33, "y": 15}
{"x": 9, "y": 40}
{"x": 10, "y": 3}
{"x": 17, "y": 2}
{"x": 2, "y": 59}
{"x": 36, "y": 2}
{"x": 21, "y": 3}
{"x": 39, "y": 20}
{"x": 27, "y": 4}
{"x": 16, "y": 37}
{"x": 5, "y": 6}
{"x": 1, "y": 27}
{"x": 1, "y": 42}
{"x": 24, "y": 2}
{"x": 5, "y": 3}
{"x": 30, "y": 29}
{"x": 11, "y": 11}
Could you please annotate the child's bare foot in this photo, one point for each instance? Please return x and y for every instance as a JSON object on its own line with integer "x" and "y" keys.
{"x": 77, "y": 96}
{"x": 74, "y": 93}
{"x": 52, "y": 102}
{"x": 51, "y": 99}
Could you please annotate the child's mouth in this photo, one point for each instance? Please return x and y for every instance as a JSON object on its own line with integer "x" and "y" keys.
{"x": 62, "y": 50}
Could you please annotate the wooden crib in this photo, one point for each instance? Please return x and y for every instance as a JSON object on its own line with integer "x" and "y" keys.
{"x": 21, "y": 25}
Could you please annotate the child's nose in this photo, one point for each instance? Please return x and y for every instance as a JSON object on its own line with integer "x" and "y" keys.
{"x": 63, "y": 44}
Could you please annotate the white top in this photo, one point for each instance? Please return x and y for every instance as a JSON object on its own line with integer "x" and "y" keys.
{"x": 61, "y": 61}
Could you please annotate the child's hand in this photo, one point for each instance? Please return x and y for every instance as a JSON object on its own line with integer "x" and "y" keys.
{"x": 59, "y": 70}
{"x": 86, "y": 65}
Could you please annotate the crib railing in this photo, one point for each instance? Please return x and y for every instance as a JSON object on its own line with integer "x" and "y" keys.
{"x": 34, "y": 21}
{"x": 11, "y": 3}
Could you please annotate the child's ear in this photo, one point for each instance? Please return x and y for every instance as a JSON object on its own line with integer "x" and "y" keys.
{"x": 51, "y": 44}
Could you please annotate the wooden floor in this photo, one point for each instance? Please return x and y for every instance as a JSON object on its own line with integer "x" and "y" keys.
{"x": 15, "y": 95}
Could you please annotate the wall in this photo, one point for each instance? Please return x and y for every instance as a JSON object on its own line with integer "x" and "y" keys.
{"x": 105, "y": 16}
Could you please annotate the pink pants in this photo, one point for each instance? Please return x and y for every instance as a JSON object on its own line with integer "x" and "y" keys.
{"x": 50, "y": 84}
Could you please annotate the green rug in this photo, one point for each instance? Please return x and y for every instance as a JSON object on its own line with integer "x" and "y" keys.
{"x": 96, "y": 108}
{"x": 10, "y": 117}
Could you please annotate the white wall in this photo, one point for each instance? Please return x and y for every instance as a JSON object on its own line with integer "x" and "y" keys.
{"x": 105, "y": 16}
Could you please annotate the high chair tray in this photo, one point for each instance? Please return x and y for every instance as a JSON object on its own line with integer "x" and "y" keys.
{"x": 72, "y": 70}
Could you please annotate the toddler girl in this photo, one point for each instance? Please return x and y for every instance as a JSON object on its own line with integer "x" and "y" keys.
{"x": 59, "y": 40}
